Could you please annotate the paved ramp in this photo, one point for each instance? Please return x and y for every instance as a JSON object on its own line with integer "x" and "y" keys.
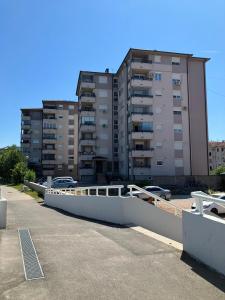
{"x": 82, "y": 259}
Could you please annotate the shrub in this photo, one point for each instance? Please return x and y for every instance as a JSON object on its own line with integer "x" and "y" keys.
{"x": 30, "y": 175}
{"x": 218, "y": 170}
{"x": 19, "y": 172}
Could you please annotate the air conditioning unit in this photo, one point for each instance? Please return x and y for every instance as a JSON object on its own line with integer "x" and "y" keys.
{"x": 184, "y": 107}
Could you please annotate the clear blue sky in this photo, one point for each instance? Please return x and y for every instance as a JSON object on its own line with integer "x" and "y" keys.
{"x": 44, "y": 44}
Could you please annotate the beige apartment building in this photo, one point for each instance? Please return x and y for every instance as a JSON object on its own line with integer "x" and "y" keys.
{"x": 216, "y": 154}
{"x": 147, "y": 119}
{"x": 49, "y": 137}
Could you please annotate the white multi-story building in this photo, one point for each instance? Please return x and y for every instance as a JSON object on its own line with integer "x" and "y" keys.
{"x": 149, "y": 118}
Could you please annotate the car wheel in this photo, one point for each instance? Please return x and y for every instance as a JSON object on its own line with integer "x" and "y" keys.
{"x": 214, "y": 210}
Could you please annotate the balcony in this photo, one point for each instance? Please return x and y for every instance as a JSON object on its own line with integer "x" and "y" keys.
{"x": 25, "y": 136}
{"x": 26, "y": 118}
{"x": 49, "y": 110}
{"x": 49, "y": 140}
{"x": 84, "y": 112}
{"x": 86, "y": 155}
{"x": 142, "y": 170}
{"x": 25, "y": 145}
{"x": 87, "y": 85}
{"x": 141, "y": 64}
{"x": 142, "y": 153}
{"x": 142, "y": 135}
{"x": 87, "y": 127}
{"x": 141, "y": 99}
{"x": 140, "y": 117}
{"x": 48, "y": 151}
{"x": 87, "y": 142}
{"x": 49, "y": 162}
{"x": 86, "y": 171}
{"x": 87, "y": 98}
{"x": 25, "y": 126}
{"x": 141, "y": 82}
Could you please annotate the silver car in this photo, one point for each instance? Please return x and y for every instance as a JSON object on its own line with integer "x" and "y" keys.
{"x": 163, "y": 193}
{"x": 64, "y": 183}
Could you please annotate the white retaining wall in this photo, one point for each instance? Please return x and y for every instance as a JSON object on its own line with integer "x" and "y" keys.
{"x": 120, "y": 210}
{"x": 204, "y": 239}
{"x": 3, "y": 213}
{"x": 36, "y": 187}
{"x": 153, "y": 218}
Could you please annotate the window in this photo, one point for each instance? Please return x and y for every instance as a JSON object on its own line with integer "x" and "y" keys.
{"x": 157, "y": 58}
{"x": 60, "y": 106}
{"x": 60, "y": 117}
{"x": 178, "y": 128}
{"x": 177, "y": 112}
{"x": 178, "y": 145}
{"x": 88, "y": 120}
{"x": 175, "y": 60}
{"x": 70, "y": 106}
{"x": 102, "y": 79}
{"x": 115, "y": 149}
{"x": 158, "y": 76}
{"x": 159, "y": 163}
{"x": 103, "y": 93}
{"x": 177, "y": 95}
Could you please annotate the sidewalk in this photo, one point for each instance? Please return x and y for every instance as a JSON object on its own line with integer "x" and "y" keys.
{"x": 82, "y": 259}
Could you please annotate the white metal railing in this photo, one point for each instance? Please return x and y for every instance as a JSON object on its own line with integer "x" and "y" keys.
{"x": 157, "y": 199}
{"x": 86, "y": 191}
{"x": 200, "y": 197}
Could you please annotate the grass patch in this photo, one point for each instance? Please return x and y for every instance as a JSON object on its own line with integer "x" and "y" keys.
{"x": 24, "y": 189}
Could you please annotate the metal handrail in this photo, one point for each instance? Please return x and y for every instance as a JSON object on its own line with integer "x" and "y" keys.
{"x": 157, "y": 198}
{"x": 200, "y": 197}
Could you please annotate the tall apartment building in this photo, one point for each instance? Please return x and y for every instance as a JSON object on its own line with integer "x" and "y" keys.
{"x": 161, "y": 117}
{"x": 98, "y": 125}
{"x": 49, "y": 137}
{"x": 216, "y": 154}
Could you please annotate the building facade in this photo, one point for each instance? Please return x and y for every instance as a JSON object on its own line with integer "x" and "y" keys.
{"x": 49, "y": 138}
{"x": 216, "y": 154}
{"x": 147, "y": 119}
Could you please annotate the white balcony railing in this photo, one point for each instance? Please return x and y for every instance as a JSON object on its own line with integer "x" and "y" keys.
{"x": 200, "y": 196}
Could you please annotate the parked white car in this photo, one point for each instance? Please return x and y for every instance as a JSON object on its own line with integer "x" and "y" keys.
{"x": 216, "y": 208}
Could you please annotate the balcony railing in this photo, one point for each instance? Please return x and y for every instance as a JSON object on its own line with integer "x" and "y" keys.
{"x": 141, "y": 113}
{"x": 140, "y": 95}
{"x": 143, "y": 60}
{"x": 87, "y": 153}
{"x": 87, "y": 95}
{"x": 135, "y": 77}
{"x": 144, "y": 149}
{"x": 87, "y": 124}
{"x": 142, "y": 130}
{"x": 141, "y": 166}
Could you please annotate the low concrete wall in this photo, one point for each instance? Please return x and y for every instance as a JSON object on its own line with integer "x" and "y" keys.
{"x": 120, "y": 210}
{"x": 96, "y": 207}
{"x": 36, "y": 187}
{"x": 3, "y": 213}
{"x": 153, "y": 218}
{"x": 204, "y": 239}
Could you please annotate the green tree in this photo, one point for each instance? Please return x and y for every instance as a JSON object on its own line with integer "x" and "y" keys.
{"x": 218, "y": 170}
{"x": 9, "y": 157}
{"x": 30, "y": 175}
{"x": 19, "y": 171}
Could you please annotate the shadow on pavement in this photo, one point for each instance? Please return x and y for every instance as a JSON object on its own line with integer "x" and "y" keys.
{"x": 205, "y": 272}
{"x": 65, "y": 213}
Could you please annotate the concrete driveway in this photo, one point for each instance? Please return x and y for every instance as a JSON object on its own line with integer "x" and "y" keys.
{"x": 82, "y": 259}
